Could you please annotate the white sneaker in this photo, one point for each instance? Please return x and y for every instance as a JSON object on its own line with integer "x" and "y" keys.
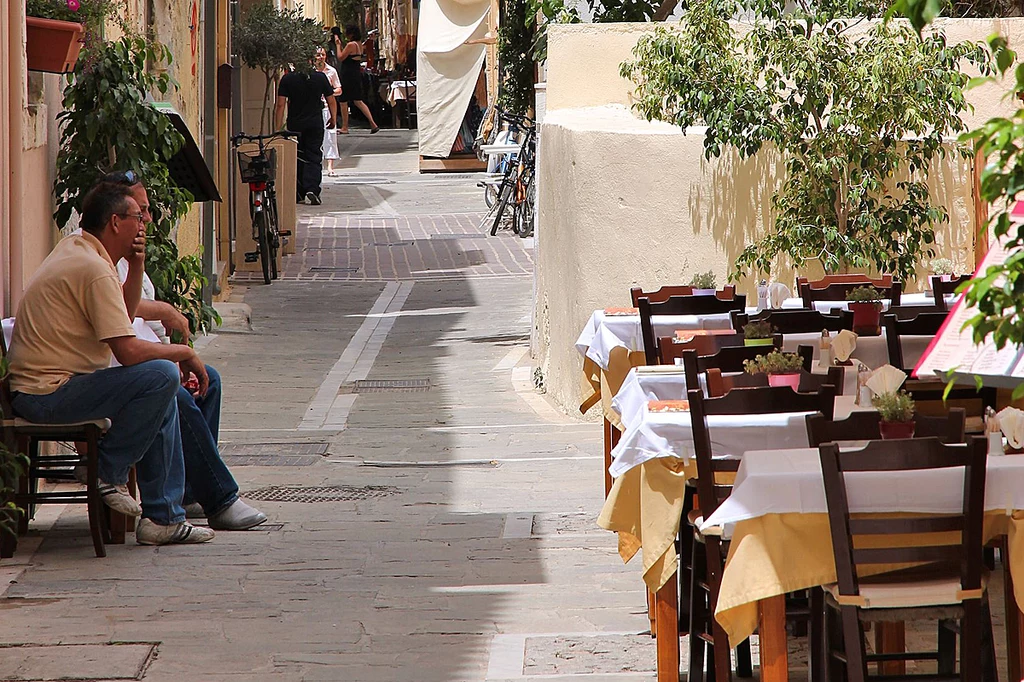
{"x": 194, "y": 511}
{"x": 238, "y": 516}
{"x": 117, "y": 498}
{"x": 149, "y": 532}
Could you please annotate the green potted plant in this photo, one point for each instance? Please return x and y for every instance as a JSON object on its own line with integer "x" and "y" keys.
{"x": 757, "y": 333}
{"x": 12, "y": 465}
{"x": 866, "y": 305}
{"x": 897, "y": 414}
{"x": 704, "y": 284}
{"x": 783, "y": 369}
{"x": 55, "y": 31}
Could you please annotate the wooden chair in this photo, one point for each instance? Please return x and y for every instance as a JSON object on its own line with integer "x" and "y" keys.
{"x": 951, "y": 586}
{"x": 860, "y": 426}
{"x": 922, "y": 324}
{"x": 27, "y": 436}
{"x": 726, "y": 293}
{"x": 796, "y": 321}
{"x": 839, "y": 290}
{"x": 909, "y": 312}
{"x": 709, "y": 550}
{"x": 730, "y": 359}
{"x": 850, "y": 278}
{"x": 940, "y": 288}
{"x": 669, "y": 348}
{"x": 719, "y": 384}
{"x": 679, "y": 305}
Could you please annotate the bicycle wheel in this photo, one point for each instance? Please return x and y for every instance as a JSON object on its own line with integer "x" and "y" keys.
{"x": 524, "y": 225}
{"x": 274, "y": 234}
{"x": 504, "y": 196}
{"x": 263, "y": 237}
{"x": 490, "y": 195}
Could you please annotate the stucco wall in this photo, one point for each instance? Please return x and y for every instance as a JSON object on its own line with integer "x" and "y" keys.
{"x": 624, "y": 202}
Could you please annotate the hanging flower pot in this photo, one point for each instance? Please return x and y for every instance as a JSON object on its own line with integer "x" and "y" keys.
{"x": 52, "y": 46}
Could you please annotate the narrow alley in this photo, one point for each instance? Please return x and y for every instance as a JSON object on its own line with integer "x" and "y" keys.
{"x": 432, "y": 517}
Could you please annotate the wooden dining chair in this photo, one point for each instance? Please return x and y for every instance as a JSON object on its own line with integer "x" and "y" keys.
{"x": 679, "y": 305}
{"x": 863, "y": 425}
{"x": 718, "y": 384}
{"x": 670, "y": 348}
{"x": 731, "y": 359}
{"x": 922, "y": 324}
{"x": 940, "y": 288}
{"x": 838, "y": 291}
{"x": 848, "y": 278}
{"x": 796, "y": 321}
{"x": 709, "y": 550}
{"x": 950, "y": 586}
{"x": 726, "y": 293}
{"x": 27, "y": 436}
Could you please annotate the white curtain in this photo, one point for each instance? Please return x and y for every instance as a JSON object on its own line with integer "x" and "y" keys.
{"x": 446, "y": 68}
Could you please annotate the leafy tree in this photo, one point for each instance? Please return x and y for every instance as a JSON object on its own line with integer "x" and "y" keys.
{"x": 857, "y": 116}
{"x": 515, "y": 43}
{"x": 271, "y": 40}
{"x": 108, "y": 125}
{"x": 347, "y": 12}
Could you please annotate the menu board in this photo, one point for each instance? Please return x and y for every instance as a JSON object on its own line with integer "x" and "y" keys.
{"x": 953, "y": 348}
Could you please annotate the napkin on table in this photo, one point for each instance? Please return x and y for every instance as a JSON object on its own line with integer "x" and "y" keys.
{"x": 843, "y": 345}
{"x": 1011, "y": 421}
{"x": 778, "y": 293}
{"x": 886, "y": 379}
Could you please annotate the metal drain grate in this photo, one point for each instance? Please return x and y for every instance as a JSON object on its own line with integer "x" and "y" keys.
{"x": 405, "y": 243}
{"x": 389, "y": 385}
{"x": 474, "y": 235}
{"x": 271, "y": 449}
{"x": 339, "y": 493}
{"x": 324, "y": 268}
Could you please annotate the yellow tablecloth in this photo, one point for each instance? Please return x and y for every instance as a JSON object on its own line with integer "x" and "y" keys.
{"x": 601, "y": 385}
{"x": 779, "y": 553}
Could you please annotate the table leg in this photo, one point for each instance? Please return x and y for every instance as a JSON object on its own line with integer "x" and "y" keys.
{"x": 1014, "y": 641}
{"x": 651, "y": 601}
{"x": 666, "y": 615}
{"x": 890, "y": 638}
{"x": 611, "y": 439}
{"x": 771, "y": 628}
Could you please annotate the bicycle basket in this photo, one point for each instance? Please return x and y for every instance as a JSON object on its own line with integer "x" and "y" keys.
{"x": 254, "y": 168}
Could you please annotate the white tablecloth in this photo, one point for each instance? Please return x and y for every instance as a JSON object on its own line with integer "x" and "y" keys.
{"x": 669, "y": 434}
{"x": 784, "y": 481}
{"x": 660, "y": 382}
{"x": 919, "y": 299}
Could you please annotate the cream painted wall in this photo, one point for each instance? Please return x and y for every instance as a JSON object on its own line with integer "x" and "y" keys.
{"x": 624, "y": 202}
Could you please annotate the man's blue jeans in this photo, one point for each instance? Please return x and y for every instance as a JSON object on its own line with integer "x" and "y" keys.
{"x": 140, "y": 403}
{"x": 207, "y": 479}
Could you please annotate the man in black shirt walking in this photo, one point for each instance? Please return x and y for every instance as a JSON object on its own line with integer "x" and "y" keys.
{"x": 304, "y": 91}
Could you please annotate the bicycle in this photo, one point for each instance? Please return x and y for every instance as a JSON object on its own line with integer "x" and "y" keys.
{"x": 517, "y": 184}
{"x": 257, "y": 169}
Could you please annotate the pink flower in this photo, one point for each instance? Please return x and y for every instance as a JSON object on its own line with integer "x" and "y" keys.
{"x": 73, "y": 5}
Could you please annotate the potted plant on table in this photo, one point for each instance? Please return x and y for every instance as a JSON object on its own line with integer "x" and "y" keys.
{"x": 783, "y": 369}
{"x": 758, "y": 333}
{"x": 704, "y": 284}
{"x": 866, "y": 305}
{"x": 897, "y": 412}
{"x": 55, "y": 31}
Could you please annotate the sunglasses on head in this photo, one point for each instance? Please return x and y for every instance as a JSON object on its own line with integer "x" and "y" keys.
{"x": 127, "y": 177}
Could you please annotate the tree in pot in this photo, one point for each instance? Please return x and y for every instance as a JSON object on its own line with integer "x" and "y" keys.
{"x": 866, "y": 305}
{"x": 704, "y": 283}
{"x": 897, "y": 414}
{"x": 857, "y": 116}
{"x": 758, "y": 333}
{"x": 783, "y": 369}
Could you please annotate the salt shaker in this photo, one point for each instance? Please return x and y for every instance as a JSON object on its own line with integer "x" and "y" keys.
{"x": 993, "y": 433}
{"x": 762, "y": 295}
{"x": 825, "y": 350}
{"x": 863, "y": 392}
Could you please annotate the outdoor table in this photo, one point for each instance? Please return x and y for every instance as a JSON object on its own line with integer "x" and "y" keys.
{"x": 777, "y": 519}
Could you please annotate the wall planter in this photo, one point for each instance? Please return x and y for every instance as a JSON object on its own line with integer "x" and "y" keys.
{"x": 52, "y": 46}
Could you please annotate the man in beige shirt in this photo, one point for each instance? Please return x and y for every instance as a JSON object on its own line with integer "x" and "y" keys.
{"x": 70, "y": 320}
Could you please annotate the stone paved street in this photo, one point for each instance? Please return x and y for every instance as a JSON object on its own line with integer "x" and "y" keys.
{"x": 448, "y": 529}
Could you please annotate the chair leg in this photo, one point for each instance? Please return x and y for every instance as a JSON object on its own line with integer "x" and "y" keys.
{"x": 721, "y": 654}
{"x": 686, "y": 543}
{"x": 129, "y": 521}
{"x": 96, "y": 505}
{"x": 970, "y": 641}
{"x": 947, "y": 647}
{"x": 853, "y": 645}
{"x": 989, "y": 667}
{"x": 744, "y": 663}
{"x": 698, "y": 614}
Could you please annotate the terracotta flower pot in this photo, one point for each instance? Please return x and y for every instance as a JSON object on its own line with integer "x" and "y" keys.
{"x": 52, "y": 46}
{"x": 866, "y": 318}
{"x": 792, "y": 380}
{"x": 758, "y": 342}
{"x": 896, "y": 430}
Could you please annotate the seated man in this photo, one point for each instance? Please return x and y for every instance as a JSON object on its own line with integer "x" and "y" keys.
{"x": 70, "y": 320}
{"x": 210, "y": 489}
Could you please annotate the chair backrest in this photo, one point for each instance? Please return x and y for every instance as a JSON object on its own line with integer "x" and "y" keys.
{"x": 909, "y": 312}
{"x": 850, "y": 278}
{"x": 670, "y": 348}
{"x": 726, "y": 293}
{"x": 719, "y": 384}
{"x": 922, "y": 324}
{"x": 940, "y": 288}
{"x": 731, "y": 358}
{"x": 679, "y": 305}
{"x": 863, "y": 425}
{"x": 796, "y": 321}
{"x": 761, "y": 400}
{"x": 838, "y": 292}
{"x": 915, "y": 545}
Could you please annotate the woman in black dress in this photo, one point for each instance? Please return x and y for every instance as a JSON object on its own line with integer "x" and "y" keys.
{"x": 350, "y": 69}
